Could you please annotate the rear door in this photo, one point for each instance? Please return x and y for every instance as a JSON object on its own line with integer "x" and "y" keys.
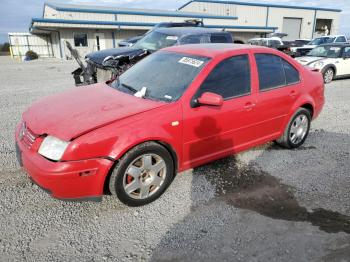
{"x": 279, "y": 87}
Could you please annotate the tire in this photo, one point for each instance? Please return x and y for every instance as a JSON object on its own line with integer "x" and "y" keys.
{"x": 328, "y": 75}
{"x": 142, "y": 174}
{"x": 295, "y": 135}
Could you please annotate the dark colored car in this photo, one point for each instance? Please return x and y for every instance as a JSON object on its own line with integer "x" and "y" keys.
{"x": 107, "y": 64}
{"x": 188, "y": 23}
{"x": 129, "y": 41}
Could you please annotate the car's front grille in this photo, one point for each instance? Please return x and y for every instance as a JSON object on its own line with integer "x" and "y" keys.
{"x": 27, "y": 136}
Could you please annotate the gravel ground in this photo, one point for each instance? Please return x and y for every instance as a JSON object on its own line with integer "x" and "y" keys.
{"x": 266, "y": 204}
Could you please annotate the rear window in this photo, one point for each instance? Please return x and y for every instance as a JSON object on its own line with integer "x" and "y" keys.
{"x": 218, "y": 39}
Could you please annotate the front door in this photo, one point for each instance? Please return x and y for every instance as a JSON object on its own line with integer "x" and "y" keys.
{"x": 211, "y": 132}
{"x": 343, "y": 64}
{"x": 100, "y": 43}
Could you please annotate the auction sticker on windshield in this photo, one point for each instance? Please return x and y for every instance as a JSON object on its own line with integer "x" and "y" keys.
{"x": 191, "y": 61}
{"x": 171, "y": 37}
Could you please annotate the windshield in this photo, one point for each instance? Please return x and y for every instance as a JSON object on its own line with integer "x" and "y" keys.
{"x": 162, "y": 76}
{"x": 154, "y": 41}
{"x": 325, "y": 51}
{"x": 322, "y": 40}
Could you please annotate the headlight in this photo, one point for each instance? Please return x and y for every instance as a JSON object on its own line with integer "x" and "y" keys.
{"x": 53, "y": 148}
{"x": 318, "y": 64}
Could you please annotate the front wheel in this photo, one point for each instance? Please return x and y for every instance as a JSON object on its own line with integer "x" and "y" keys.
{"x": 328, "y": 75}
{"x": 297, "y": 129}
{"x": 142, "y": 174}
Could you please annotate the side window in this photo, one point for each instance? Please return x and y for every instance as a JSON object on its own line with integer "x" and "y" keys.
{"x": 230, "y": 78}
{"x": 193, "y": 39}
{"x": 80, "y": 39}
{"x": 346, "y": 52}
{"x": 340, "y": 39}
{"x": 218, "y": 39}
{"x": 271, "y": 71}
{"x": 292, "y": 75}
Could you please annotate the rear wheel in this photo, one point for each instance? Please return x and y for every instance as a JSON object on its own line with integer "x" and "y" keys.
{"x": 328, "y": 75}
{"x": 142, "y": 174}
{"x": 297, "y": 129}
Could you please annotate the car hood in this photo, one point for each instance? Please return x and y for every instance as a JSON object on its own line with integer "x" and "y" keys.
{"x": 308, "y": 60}
{"x": 76, "y": 112}
{"x": 98, "y": 56}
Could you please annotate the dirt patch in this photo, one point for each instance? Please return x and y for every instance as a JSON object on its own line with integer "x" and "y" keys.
{"x": 248, "y": 187}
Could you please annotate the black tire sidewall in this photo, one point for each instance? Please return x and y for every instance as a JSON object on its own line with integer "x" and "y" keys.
{"x": 118, "y": 174}
{"x": 301, "y": 111}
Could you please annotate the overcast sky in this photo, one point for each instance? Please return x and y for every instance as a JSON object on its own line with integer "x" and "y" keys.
{"x": 15, "y": 15}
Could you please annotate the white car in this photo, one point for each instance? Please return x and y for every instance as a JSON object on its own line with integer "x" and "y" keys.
{"x": 332, "y": 60}
{"x": 329, "y": 39}
{"x": 271, "y": 41}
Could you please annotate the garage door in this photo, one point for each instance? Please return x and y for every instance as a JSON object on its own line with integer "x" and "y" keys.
{"x": 292, "y": 27}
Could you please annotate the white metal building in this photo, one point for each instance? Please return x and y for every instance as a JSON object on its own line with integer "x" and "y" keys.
{"x": 91, "y": 28}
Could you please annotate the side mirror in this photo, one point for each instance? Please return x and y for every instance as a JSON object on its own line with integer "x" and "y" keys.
{"x": 210, "y": 99}
{"x": 347, "y": 56}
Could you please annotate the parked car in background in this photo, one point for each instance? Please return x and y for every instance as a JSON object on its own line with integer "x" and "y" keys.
{"x": 107, "y": 64}
{"x": 179, "y": 108}
{"x": 302, "y": 51}
{"x": 332, "y": 60}
{"x": 272, "y": 42}
{"x": 188, "y": 23}
{"x": 268, "y": 42}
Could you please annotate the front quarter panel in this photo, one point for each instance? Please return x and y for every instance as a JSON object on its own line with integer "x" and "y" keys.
{"x": 162, "y": 124}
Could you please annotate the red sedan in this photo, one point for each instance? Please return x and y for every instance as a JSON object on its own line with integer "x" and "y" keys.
{"x": 177, "y": 109}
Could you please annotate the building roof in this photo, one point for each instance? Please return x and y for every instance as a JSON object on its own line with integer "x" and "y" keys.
{"x": 114, "y": 24}
{"x": 131, "y": 11}
{"x": 261, "y": 4}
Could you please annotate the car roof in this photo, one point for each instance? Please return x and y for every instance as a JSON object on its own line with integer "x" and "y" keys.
{"x": 211, "y": 50}
{"x": 179, "y": 31}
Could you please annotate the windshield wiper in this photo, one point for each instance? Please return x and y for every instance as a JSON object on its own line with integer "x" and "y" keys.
{"x": 129, "y": 87}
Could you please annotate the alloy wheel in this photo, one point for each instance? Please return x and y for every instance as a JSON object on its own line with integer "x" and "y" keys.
{"x": 298, "y": 129}
{"x": 144, "y": 176}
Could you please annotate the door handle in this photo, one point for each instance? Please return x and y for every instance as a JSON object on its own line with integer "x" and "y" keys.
{"x": 249, "y": 106}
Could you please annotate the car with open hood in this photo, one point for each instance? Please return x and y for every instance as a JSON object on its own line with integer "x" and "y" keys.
{"x": 178, "y": 108}
{"x": 332, "y": 60}
{"x": 110, "y": 63}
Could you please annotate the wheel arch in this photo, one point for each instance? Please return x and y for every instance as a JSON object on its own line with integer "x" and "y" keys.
{"x": 332, "y": 66}
{"x": 166, "y": 145}
{"x": 309, "y": 107}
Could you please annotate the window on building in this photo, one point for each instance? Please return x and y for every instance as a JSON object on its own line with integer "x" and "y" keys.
{"x": 271, "y": 71}
{"x": 80, "y": 40}
{"x": 230, "y": 78}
